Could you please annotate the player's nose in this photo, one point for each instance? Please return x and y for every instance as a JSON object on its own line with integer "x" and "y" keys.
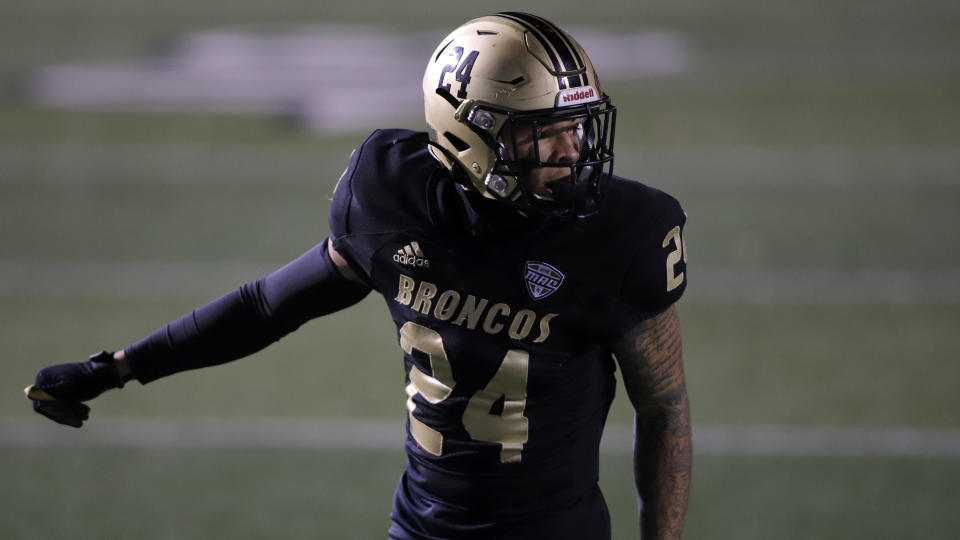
{"x": 566, "y": 148}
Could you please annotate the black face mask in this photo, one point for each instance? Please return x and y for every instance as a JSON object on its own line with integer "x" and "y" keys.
{"x": 578, "y": 194}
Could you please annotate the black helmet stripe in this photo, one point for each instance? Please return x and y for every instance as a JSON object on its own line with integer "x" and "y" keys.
{"x": 557, "y": 66}
{"x": 555, "y": 43}
{"x": 578, "y": 61}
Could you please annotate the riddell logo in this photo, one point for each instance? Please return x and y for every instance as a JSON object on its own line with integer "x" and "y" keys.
{"x": 573, "y": 96}
{"x": 412, "y": 255}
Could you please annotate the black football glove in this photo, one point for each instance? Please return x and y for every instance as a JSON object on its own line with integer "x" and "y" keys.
{"x": 58, "y": 391}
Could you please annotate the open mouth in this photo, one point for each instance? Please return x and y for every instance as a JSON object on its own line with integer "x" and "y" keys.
{"x": 548, "y": 196}
{"x": 545, "y": 191}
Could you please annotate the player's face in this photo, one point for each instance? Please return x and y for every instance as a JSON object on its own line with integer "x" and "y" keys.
{"x": 559, "y": 142}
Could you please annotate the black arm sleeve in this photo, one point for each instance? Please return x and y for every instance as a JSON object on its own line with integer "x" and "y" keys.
{"x": 248, "y": 319}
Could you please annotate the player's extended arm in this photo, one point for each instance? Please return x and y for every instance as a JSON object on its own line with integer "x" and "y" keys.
{"x": 233, "y": 326}
{"x": 651, "y": 360}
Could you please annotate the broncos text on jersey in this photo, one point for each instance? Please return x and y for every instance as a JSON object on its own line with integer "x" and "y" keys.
{"x": 470, "y": 311}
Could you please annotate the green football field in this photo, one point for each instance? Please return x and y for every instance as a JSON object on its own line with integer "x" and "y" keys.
{"x": 814, "y": 145}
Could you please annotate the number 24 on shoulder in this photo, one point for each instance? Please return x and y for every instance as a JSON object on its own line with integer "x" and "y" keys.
{"x": 675, "y": 279}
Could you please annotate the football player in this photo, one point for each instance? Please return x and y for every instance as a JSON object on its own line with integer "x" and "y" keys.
{"x": 519, "y": 272}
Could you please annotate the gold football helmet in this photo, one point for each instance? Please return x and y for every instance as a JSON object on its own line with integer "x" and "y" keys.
{"x": 510, "y": 76}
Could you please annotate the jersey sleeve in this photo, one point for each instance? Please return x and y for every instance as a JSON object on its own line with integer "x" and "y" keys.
{"x": 656, "y": 275}
{"x": 247, "y": 319}
{"x": 381, "y": 192}
{"x": 341, "y": 210}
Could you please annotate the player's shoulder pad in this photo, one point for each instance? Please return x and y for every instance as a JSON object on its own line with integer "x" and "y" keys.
{"x": 383, "y": 185}
{"x": 648, "y": 226}
{"x": 382, "y": 190}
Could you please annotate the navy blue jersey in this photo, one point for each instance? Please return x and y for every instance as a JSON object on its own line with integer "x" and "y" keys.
{"x": 505, "y": 322}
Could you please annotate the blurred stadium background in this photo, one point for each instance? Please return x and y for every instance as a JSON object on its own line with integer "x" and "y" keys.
{"x": 154, "y": 155}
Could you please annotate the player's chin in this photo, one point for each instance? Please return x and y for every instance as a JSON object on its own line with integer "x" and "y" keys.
{"x": 546, "y": 187}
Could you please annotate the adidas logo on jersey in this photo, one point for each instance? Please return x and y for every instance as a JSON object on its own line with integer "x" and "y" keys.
{"x": 412, "y": 255}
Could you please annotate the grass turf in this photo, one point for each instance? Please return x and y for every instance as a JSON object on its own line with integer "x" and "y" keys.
{"x": 250, "y": 493}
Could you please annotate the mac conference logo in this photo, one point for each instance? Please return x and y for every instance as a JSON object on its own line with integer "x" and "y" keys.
{"x": 542, "y": 279}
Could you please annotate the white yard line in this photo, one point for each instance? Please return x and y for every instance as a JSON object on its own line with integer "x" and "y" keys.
{"x": 198, "y": 164}
{"x": 177, "y": 164}
{"x": 126, "y": 279}
{"x": 191, "y": 279}
{"x": 365, "y": 434}
{"x": 288, "y": 73}
{"x": 818, "y": 286}
{"x": 808, "y": 168}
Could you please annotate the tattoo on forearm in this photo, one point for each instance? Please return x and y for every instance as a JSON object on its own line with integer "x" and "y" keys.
{"x": 651, "y": 360}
